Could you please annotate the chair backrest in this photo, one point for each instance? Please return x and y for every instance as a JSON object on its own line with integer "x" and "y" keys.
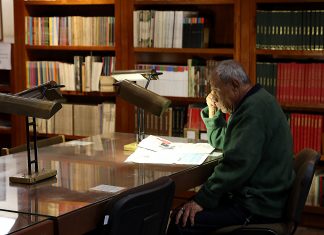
{"x": 143, "y": 210}
{"x": 304, "y": 164}
{"x": 40, "y": 143}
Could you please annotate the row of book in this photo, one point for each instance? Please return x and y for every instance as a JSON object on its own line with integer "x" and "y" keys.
{"x": 181, "y": 81}
{"x": 91, "y": 73}
{"x": 306, "y": 131}
{"x": 171, "y": 123}
{"x": 169, "y": 29}
{"x": 70, "y": 31}
{"x": 174, "y": 121}
{"x": 293, "y": 82}
{"x": 80, "y": 120}
{"x": 290, "y": 29}
{"x": 83, "y": 75}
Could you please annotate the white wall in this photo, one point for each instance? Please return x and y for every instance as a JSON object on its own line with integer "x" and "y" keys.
{"x": 8, "y": 21}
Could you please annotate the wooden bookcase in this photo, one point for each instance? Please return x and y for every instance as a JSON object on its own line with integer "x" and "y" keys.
{"x": 232, "y": 36}
{"x": 224, "y": 43}
{"x": 313, "y": 214}
{"x": 63, "y": 53}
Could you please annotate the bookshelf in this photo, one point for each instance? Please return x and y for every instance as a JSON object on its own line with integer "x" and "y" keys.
{"x": 223, "y": 44}
{"x": 299, "y": 57}
{"x": 224, "y": 41}
{"x": 298, "y": 60}
{"x": 235, "y": 37}
{"x": 51, "y": 31}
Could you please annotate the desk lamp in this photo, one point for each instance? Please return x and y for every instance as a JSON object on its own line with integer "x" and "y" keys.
{"x": 39, "y": 102}
{"x": 141, "y": 97}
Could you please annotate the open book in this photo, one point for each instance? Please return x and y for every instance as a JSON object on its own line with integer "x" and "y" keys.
{"x": 154, "y": 149}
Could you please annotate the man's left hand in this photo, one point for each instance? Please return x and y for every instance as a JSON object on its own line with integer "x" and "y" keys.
{"x": 188, "y": 210}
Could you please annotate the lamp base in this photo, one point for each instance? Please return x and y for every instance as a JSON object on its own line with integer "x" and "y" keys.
{"x": 35, "y": 177}
{"x": 130, "y": 147}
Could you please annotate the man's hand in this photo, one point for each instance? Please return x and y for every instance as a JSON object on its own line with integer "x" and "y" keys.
{"x": 188, "y": 210}
{"x": 211, "y": 101}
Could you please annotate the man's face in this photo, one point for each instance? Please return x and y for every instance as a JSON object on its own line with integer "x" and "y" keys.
{"x": 224, "y": 95}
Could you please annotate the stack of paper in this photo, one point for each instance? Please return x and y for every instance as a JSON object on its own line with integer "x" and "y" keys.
{"x": 157, "y": 150}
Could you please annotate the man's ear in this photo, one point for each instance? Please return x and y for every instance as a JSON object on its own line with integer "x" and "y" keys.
{"x": 236, "y": 84}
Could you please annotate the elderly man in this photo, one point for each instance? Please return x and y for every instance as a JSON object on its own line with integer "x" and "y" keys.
{"x": 251, "y": 183}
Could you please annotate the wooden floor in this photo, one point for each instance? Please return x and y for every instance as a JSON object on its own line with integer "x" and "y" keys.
{"x": 309, "y": 231}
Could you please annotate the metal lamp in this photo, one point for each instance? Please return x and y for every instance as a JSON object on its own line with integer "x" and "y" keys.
{"x": 39, "y": 102}
{"x": 144, "y": 99}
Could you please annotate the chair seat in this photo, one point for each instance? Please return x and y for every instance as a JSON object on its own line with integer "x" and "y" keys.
{"x": 275, "y": 228}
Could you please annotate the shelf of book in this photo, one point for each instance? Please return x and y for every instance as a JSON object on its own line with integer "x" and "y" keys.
{"x": 293, "y": 52}
{"x": 289, "y": 64}
{"x": 68, "y": 39}
{"x": 198, "y": 51}
{"x": 234, "y": 37}
{"x": 169, "y": 46}
{"x": 70, "y": 48}
{"x": 68, "y": 2}
{"x": 80, "y": 120}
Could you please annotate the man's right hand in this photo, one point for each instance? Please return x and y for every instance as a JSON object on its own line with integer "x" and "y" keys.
{"x": 211, "y": 101}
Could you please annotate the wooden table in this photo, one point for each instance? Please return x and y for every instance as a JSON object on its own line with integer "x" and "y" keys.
{"x": 68, "y": 198}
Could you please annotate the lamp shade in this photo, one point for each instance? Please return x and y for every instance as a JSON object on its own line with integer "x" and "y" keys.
{"x": 142, "y": 98}
{"x": 32, "y": 107}
{"x": 49, "y": 91}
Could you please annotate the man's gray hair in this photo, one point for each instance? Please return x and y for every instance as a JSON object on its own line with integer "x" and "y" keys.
{"x": 228, "y": 70}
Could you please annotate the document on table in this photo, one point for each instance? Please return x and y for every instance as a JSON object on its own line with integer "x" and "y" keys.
{"x": 107, "y": 188}
{"x": 157, "y": 150}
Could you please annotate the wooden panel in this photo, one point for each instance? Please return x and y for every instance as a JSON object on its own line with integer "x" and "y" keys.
{"x": 44, "y": 228}
{"x": 69, "y": 2}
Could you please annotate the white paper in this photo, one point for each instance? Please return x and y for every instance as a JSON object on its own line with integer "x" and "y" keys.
{"x": 157, "y": 150}
{"x": 155, "y": 143}
{"x": 107, "y": 188}
{"x": 5, "y": 56}
{"x": 129, "y": 77}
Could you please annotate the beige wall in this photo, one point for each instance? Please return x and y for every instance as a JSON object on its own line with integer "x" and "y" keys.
{"x": 8, "y": 21}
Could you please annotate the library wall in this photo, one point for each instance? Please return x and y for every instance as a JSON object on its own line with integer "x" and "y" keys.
{"x": 221, "y": 29}
{"x": 7, "y": 21}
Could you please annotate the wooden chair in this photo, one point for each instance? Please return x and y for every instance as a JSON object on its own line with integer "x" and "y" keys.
{"x": 40, "y": 143}
{"x": 305, "y": 164}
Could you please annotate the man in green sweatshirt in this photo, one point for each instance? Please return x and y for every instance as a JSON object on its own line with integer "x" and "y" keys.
{"x": 252, "y": 182}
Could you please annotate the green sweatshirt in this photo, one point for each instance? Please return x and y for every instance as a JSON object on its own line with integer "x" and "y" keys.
{"x": 257, "y": 167}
